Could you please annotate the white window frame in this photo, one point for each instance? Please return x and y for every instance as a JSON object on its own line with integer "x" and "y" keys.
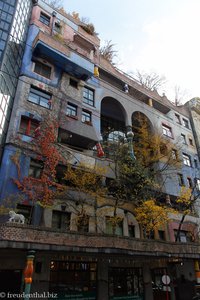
{"x": 187, "y": 160}
{"x": 167, "y": 131}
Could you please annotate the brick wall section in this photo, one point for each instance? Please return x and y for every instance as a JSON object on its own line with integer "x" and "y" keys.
{"x": 29, "y": 234}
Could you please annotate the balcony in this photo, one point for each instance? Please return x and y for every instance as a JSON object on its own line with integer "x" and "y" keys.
{"x": 60, "y": 55}
{"x": 26, "y": 236}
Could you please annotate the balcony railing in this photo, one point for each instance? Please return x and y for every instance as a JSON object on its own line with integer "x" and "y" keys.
{"x": 23, "y": 236}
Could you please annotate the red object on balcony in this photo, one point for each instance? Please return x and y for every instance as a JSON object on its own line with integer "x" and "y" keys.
{"x": 100, "y": 152}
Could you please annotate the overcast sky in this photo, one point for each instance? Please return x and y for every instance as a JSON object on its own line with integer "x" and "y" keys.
{"x": 161, "y": 36}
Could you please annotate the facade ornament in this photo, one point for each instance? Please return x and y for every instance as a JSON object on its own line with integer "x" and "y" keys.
{"x": 16, "y": 218}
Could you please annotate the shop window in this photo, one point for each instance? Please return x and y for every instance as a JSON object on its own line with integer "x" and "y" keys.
{"x": 35, "y": 168}
{"x": 113, "y": 226}
{"x": 75, "y": 278}
{"x": 186, "y": 160}
{"x": 71, "y": 110}
{"x": 183, "y": 138}
{"x": 178, "y": 119}
{"x": 42, "y": 69}
{"x": 88, "y": 96}
{"x": 125, "y": 283}
{"x": 61, "y": 220}
{"x": 167, "y": 131}
{"x": 181, "y": 180}
{"x": 186, "y": 123}
{"x": 86, "y": 117}
{"x": 45, "y": 19}
{"x": 28, "y": 126}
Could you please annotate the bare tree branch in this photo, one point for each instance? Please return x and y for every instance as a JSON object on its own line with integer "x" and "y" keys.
{"x": 108, "y": 52}
{"x": 151, "y": 81}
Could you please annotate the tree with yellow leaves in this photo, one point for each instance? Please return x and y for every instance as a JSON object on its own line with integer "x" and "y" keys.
{"x": 151, "y": 216}
{"x": 151, "y": 147}
{"x": 84, "y": 187}
{"x": 186, "y": 201}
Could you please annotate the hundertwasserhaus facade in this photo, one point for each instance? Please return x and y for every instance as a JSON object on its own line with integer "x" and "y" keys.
{"x": 63, "y": 75}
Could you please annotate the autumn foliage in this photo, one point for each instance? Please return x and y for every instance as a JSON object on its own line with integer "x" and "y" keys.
{"x": 42, "y": 190}
{"x": 151, "y": 216}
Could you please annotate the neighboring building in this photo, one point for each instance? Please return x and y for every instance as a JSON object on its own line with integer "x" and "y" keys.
{"x": 57, "y": 78}
{"x": 194, "y": 108}
{"x": 14, "y": 21}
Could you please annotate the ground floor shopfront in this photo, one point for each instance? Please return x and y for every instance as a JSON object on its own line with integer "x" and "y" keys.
{"x": 74, "y": 266}
{"x": 81, "y": 276}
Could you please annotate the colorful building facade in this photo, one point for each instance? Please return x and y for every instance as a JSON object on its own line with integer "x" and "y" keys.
{"x": 63, "y": 75}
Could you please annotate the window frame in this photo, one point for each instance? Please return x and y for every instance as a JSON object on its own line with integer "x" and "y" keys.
{"x": 57, "y": 27}
{"x": 186, "y": 160}
{"x": 196, "y": 164}
{"x": 28, "y": 130}
{"x": 198, "y": 183}
{"x": 86, "y": 117}
{"x": 41, "y": 96}
{"x": 184, "y": 236}
{"x": 183, "y": 137}
{"x": 64, "y": 219}
{"x": 72, "y": 110}
{"x": 180, "y": 179}
{"x": 131, "y": 230}
{"x": 45, "y": 19}
{"x": 36, "y": 166}
{"x": 119, "y": 230}
{"x": 167, "y": 131}
{"x": 186, "y": 123}
{"x": 40, "y": 65}
{"x": 178, "y": 119}
{"x": 189, "y": 182}
{"x": 88, "y": 96}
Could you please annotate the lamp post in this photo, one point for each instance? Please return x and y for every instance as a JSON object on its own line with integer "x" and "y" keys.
{"x": 130, "y": 136}
{"x": 28, "y": 272}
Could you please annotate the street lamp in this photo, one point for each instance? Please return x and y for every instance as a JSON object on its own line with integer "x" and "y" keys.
{"x": 130, "y": 136}
{"x": 28, "y": 272}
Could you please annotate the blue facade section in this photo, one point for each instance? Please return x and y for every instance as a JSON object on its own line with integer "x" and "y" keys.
{"x": 27, "y": 63}
{"x": 8, "y": 171}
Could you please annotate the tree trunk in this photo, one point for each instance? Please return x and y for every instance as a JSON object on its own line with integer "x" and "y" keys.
{"x": 179, "y": 227}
